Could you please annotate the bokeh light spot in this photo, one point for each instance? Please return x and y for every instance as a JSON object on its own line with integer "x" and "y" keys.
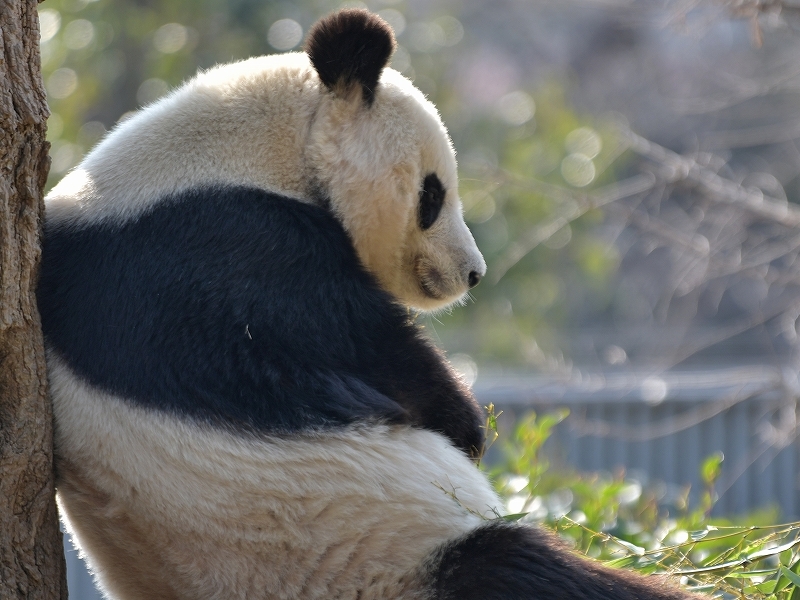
{"x": 583, "y": 140}
{"x": 516, "y": 108}
{"x": 578, "y": 170}
{"x": 91, "y": 133}
{"x": 614, "y": 355}
{"x": 55, "y": 126}
{"x": 479, "y": 206}
{"x": 126, "y": 115}
{"x": 285, "y": 34}
{"x": 49, "y": 24}
{"x": 151, "y": 90}
{"x": 560, "y": 238}
{"x": 74, "y": 5}
{"x": 394, "y": 18}
{"x": 78, "y": 34}
{"x": 654, "y": 390}
{"x": 425, "y": 37}
{"x": 452, "y": 28}
{"x": 401, "y": 59}
{"x": 64, "y": 156}
{"x": 464, "y": 364}
{"x": 62, "y": 83}
{"x": 170, "y": 38}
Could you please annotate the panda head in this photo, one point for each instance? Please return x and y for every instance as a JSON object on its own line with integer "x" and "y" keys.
{"x": 333, "y": 126}
{"x": 380, "y": 156}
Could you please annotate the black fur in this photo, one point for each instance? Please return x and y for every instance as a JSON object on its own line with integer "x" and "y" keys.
{"x": 502, "y": 561}
{"x": 431, "y": 200}
{"x": 351, "y": 47}
{"x": 237, "y": 305}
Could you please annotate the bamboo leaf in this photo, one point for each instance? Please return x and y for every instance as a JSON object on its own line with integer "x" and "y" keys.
{"x": 751, "y": 574}
{"x": 696, "y": 536}
{"x": 637, "y": 550}
{"x": 771, "y": 551}
{"x": 762, "y": 588}
{"x": 514, "y": 517}
{"x": 783, "y": 582}
{"x": 711, "y": 569}
{"x": 625, "y": 561}
{"x": 793, "y": 577}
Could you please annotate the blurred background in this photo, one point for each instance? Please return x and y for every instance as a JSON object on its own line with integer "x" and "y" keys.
{"x": 629, "y": 169}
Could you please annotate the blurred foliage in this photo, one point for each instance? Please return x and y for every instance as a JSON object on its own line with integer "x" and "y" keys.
{"x": 101, "y": 60}
{"x": 618, "y": 520}
{"x": 522, "y": 213}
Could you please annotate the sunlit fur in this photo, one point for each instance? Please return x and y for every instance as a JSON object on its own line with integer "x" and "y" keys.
{"x": 178, "y": 510}
{"x": 270, "y": 123}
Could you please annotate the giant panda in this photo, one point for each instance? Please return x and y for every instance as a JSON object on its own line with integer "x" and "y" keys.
{"x": 244, "y": 407}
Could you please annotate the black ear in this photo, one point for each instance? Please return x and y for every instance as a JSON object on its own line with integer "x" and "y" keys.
{"x": 351, "y": 47}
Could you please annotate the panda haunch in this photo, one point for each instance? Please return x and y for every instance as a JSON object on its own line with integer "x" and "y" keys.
{"x": 242, "y": 409}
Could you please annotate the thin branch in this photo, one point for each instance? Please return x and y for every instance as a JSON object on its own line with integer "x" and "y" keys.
{"x": 632, "y": 186}
{"x": 675, "y": 167}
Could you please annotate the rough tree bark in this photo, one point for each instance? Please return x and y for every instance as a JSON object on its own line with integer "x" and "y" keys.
{"x": 31, "y": 556}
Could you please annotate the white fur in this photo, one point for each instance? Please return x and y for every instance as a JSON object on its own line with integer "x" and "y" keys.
{"x": 269, "y": 122}
{"x": 230, "y": 515}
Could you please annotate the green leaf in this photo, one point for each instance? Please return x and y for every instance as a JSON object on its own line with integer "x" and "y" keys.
{"x": 696, "y": 536}
{"x": 637, "y": 550}
{"x": 625, "y": 561}
{"x": 703, "y": 588}
{"x": 783, "y": 582}
{"x": 771, "y": 551}
{"x": 793, "y": 577}
{"x": 648, "y": 569}
{"x": 796, "y": 591}
{"x": 514, "y": 517}
{"x": 711, "y": 569}
{"x": 711, "y": 468}
{"x": 750, "y": 574}
{"x": 762, "y": 588}
{"x": 767, "y": 587}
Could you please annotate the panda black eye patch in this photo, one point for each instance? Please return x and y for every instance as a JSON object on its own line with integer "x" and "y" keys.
{"x": 431, "y": 199}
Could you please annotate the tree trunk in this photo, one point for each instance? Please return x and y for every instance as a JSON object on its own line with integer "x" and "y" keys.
{"x": 31, "y": 556}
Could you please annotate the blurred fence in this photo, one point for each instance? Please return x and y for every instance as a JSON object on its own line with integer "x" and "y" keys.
{"x": 79, "y": 582}
{"x": 659, "y": 427}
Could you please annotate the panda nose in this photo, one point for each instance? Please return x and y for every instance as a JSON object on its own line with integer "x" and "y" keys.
{"x": 474, "y": 278}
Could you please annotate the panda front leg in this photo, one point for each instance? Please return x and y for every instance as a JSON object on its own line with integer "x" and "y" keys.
{"x": 497, "y": 560}
{"x": 416, "y": 375}
{"x": 503, "y": 561}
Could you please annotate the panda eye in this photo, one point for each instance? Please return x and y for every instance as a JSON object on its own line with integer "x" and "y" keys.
{"x": 431, "y": 199}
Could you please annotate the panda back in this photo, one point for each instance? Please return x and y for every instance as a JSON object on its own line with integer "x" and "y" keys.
{"x": 227, "y": 304}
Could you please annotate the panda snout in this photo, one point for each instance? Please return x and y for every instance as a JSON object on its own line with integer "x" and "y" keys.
{"x": 475, "y": 270}
{"x": 474, "y": 278}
